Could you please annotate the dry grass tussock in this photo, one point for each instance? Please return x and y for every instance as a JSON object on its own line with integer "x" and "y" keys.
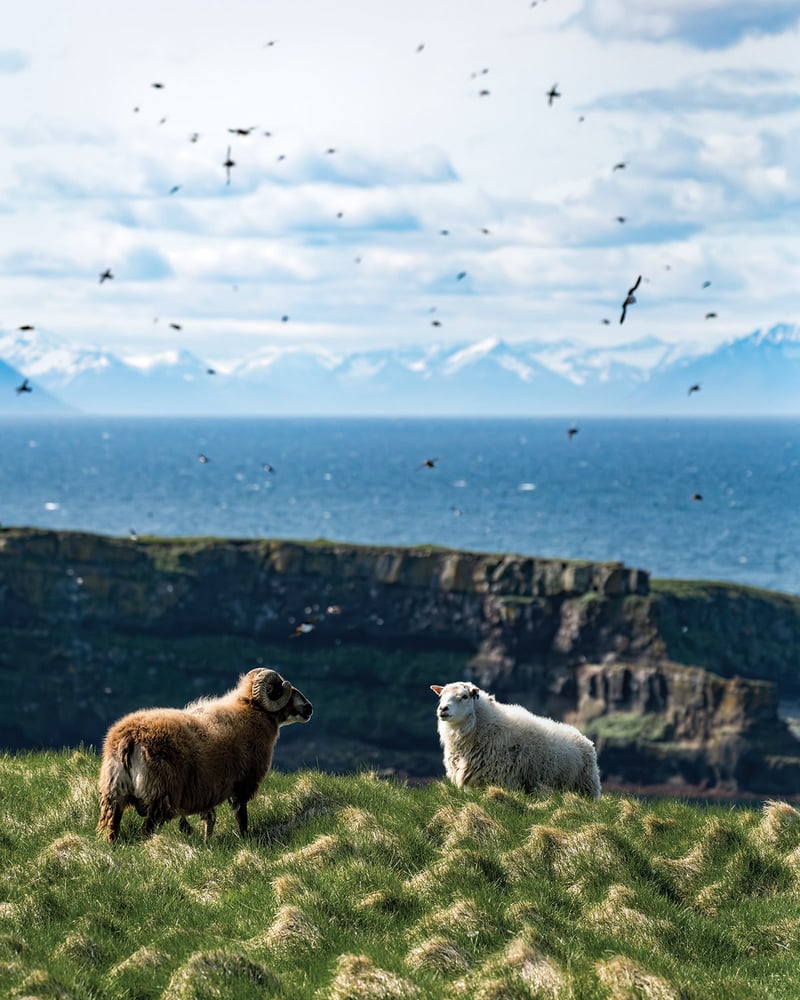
{"x": 685, "y": 874}
{"x": 71, "y": 851}
{"x": 654, "y": 825}
{"x": 366, "y": 832}
{"x": 463, "y": 917}
{"x": 466, "y": 825}
{"x": 290, "y": 888}
{"x": 618, "y": 915}
{"x": 142, "y": 960}
{"x": 455, "y": 865}
{"x": 357, "y": 978}
{"x": 208, "y": 975}
{"x": 81, "y": 948}
{"x": 439, "y": 956}
{"x": 292, "y": 930}
{"x": 519, "y": 970}
{"x": 166, "y": 852}
{"x": 325, "y": 850}
{"x": 592, "y": 853}
{"x": 626, "y": 980}
{"x": 779, "y": 826}
{"x": 40, "y": 985}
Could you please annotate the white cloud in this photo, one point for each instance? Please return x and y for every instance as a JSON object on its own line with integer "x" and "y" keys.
{"x": 706, "y": 24}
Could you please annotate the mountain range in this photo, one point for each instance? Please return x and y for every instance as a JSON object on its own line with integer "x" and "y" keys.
{"x": 757, "y": 374}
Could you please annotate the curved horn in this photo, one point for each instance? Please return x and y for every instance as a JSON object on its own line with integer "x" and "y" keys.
{"x": 262, "y": 684}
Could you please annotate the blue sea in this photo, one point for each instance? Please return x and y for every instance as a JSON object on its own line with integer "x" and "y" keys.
{"x": 619, "y": 489}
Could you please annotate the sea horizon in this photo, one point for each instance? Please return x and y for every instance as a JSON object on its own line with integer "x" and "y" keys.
{"x": 687, "y": 498}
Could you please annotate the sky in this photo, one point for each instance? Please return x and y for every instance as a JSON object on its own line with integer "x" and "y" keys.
{"x": 394, "y": 148}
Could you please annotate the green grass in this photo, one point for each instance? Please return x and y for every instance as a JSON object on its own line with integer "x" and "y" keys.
{"x": 354, "y": 887}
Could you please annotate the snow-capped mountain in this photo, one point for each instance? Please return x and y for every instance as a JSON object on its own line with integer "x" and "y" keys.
{"x": 755, "y": 374}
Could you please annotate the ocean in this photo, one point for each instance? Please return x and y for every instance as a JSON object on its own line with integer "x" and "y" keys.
{"x": 618, "y": 489}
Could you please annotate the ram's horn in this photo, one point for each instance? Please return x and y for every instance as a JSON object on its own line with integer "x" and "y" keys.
{"x": 263, "y": 683}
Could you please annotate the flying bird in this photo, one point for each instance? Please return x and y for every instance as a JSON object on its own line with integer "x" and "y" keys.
{"x": 284, "y": 319}
{"x": 630, "y": 298}
{"x": 484, "y": 93}
{"x": 26, "y": 326}
{"x": 571, "y": 432}
{"x": 330, "y": 150}
{"x": 194, "y": 137}
{"x": 711, "y": 315}
{"x": 203, "y": 459}
{"x": 158, "y": 86}
{"x": 552, "y": 93}
{"x": 429, "y": 463}
{"x": 619, "y": 166}
{"x": 242, "y": 131}
{"x": 421, "y": 46}
{"x": 706, "y": 284}
{"x": 267, "y": 467}
{"x": 621, "y": 218}
{"x": 697, "y": 496}
{"x": 228, "y": 164}
{"x": 211, "y": 371}
{"x": 106, "y": 275}
{"x": 436, "y": 322}
{"x": 444, "y": 232}
{"x": 175, "y": 189}
{"x": 176, "y": 326}
{"x": 694, "y": 388}
{"x": 606, "y": 322}
{"x": 303, "y": 629}
{"x": 25, "y": 387}
{"x": 461, "y": 275}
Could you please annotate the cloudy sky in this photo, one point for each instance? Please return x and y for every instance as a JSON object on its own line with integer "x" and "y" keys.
{"x": 447, "y": 158}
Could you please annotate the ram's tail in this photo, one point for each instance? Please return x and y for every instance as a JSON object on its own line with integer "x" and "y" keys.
{"x": 115, "y": 786}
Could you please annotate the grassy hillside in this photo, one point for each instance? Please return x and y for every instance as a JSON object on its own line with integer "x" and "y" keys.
{"x": 353, "y": 887}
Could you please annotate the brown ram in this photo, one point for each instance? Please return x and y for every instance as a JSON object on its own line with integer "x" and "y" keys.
{"x": 168, "y": 762}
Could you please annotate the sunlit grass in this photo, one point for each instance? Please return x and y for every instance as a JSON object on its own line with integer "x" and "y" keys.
{"x": 355, "y": 887}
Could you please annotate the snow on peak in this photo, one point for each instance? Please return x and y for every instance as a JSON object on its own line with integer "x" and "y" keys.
{"x": 470, "y": 354}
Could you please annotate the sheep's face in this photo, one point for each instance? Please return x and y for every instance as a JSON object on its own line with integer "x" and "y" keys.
{"x": 283, "y": 701}
{"x": 456, "y": 702}
{"x": 297, "y": 709}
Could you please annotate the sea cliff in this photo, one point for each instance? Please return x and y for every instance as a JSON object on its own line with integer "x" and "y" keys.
{"x": 677, "y": 682}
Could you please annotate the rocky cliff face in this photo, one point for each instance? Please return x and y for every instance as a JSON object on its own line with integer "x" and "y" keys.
{"x": 96, "y": 626}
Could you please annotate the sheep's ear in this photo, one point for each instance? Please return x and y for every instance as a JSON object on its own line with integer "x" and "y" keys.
{"x": 474, "y": 691}
{"x": 437, "y": 689}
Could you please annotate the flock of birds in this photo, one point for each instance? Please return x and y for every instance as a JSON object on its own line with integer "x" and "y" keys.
{"x": 228, "y": 164}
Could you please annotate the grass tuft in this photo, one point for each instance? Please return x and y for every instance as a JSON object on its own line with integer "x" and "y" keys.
{"x": 220, "y": 974}
{"x": 627, "y": 980}
{"x": 439, "y": 956}
{"x": 358, "y": 978}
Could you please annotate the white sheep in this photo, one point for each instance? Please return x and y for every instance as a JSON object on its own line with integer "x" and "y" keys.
{"x": 168, "y": 762}
{"x": 487, "y": 742}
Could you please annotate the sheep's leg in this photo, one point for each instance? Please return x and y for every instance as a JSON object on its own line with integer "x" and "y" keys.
{"x": 239, "y": 807}
{"x": 209, "y": 818}
{"x": 157, "y": 815}
{"x": 185, "y": 826}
